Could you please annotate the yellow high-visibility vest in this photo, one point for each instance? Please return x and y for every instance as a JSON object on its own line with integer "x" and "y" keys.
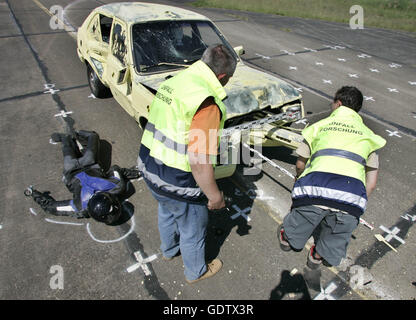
{"x": 163, "y": 156}
{"x": 341, "y": 144}
{"x": 334, "y": 175}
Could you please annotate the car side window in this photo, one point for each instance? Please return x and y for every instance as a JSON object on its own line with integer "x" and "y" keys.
{"x": 206, "y": 34}
{"x": 94, "y": 28}
{"x": 118, "y": 42}
{"x": 105, "y": 24}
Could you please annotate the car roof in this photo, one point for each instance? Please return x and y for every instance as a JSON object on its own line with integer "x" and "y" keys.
{"x": 133, "y": 12}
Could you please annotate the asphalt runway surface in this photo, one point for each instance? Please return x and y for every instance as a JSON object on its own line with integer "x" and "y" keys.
{"x": 45, "y": 90}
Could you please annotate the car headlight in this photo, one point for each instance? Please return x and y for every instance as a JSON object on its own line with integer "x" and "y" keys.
{"x": 289, "y": 91}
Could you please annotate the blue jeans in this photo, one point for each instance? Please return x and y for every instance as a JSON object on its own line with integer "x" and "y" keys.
{"x": 182, "y": 226}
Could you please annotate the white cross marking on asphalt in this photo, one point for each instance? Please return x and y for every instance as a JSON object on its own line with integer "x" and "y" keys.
{"x": 327, "y": 81}
{"x": 374, "y": 70}
{"x": 353, "y": 75}
{"x": 334, "y": 47}
{"x": 395, "y": 65}
{"x": 368, "y": 98}
{"x": 326, "y": 293}
{"x": 393, "y": 90}
{"x": 409, "y": 217}
{"x": 312, "y": 50}
{"x": 392, "y": 234}
{"x": 142, "y": 263}
{"x": 51, "y": 91}
{"x": 289, "y": 53}
{"x": 412, "y": 83}
{"x": 263, "y": 57}
{"x": 241, "y": 213}
{"x": 293, "y": 68}
{"x": 49, "y": 87}
{"x": 341, "y": 59}
{"x": 63, "y": 113}
{"x": 393, "y": 133}
{"x": 363, "y": 55}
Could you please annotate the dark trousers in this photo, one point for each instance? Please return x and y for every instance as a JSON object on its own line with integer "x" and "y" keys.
{"x": 76, "y": 159}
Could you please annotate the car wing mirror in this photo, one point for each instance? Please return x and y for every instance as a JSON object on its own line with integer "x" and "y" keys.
{"x": 239, "y": 50}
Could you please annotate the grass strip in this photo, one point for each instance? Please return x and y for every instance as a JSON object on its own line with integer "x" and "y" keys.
{"x": 386, "y": 14}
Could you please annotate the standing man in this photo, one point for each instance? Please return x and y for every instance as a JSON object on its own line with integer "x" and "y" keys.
{"x": 337, "y": 170}
{"x": 174, "y": 157}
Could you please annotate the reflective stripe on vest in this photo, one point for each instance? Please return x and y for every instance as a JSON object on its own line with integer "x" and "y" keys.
{"x": 338, "y": 153}
{"x": 331, "y": 190}
{"x": 327, "y": 193}
{"x": 338, "y": 182}
{"x": 167, "y": 142}
{"x": 163, "y": 157}
{"x": 167, "y": 130}
{"x": 160, "y": 183}
{"x": 344, "y": 135}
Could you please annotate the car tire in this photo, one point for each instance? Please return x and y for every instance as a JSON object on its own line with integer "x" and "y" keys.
{"x": 98, "y": 89}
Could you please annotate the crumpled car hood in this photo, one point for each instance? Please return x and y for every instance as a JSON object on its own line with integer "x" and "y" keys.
{"x": 248, "y": 90}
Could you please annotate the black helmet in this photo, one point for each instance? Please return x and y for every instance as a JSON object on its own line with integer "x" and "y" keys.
{"x": 104, "y": 207}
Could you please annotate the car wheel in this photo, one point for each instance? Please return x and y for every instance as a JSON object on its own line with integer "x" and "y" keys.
{"x": 98, "y": 89}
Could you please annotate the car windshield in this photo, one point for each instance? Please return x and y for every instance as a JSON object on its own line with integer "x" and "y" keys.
{"x": 165, "y": 45}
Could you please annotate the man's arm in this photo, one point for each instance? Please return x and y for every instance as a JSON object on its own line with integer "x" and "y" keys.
{"x": 371, "y": 175}
{"x": 300, "y": 165}
{"x": 204, "y": 144}
{"x": 203, "y": 173}
{"x": 56, "y": 208}
{"x": 304, "y": 153}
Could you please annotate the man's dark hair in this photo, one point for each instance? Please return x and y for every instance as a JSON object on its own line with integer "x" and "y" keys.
{"x": 350, "y": 97}
{"x": 219, "y": 58}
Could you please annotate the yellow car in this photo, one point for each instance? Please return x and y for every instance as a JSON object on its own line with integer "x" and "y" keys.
{"x": 130, "y": 48}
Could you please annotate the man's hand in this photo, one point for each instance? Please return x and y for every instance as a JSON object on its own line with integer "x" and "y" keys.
{"x": 217, "y": 202}
{"x": 300, "y": 166}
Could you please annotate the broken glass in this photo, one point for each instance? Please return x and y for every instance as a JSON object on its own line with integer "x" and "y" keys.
{"x": 167, "y": 45}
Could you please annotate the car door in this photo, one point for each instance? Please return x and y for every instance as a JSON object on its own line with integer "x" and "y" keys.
{"x": 97, "y": 43}
{"x": 117, "y": 72}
